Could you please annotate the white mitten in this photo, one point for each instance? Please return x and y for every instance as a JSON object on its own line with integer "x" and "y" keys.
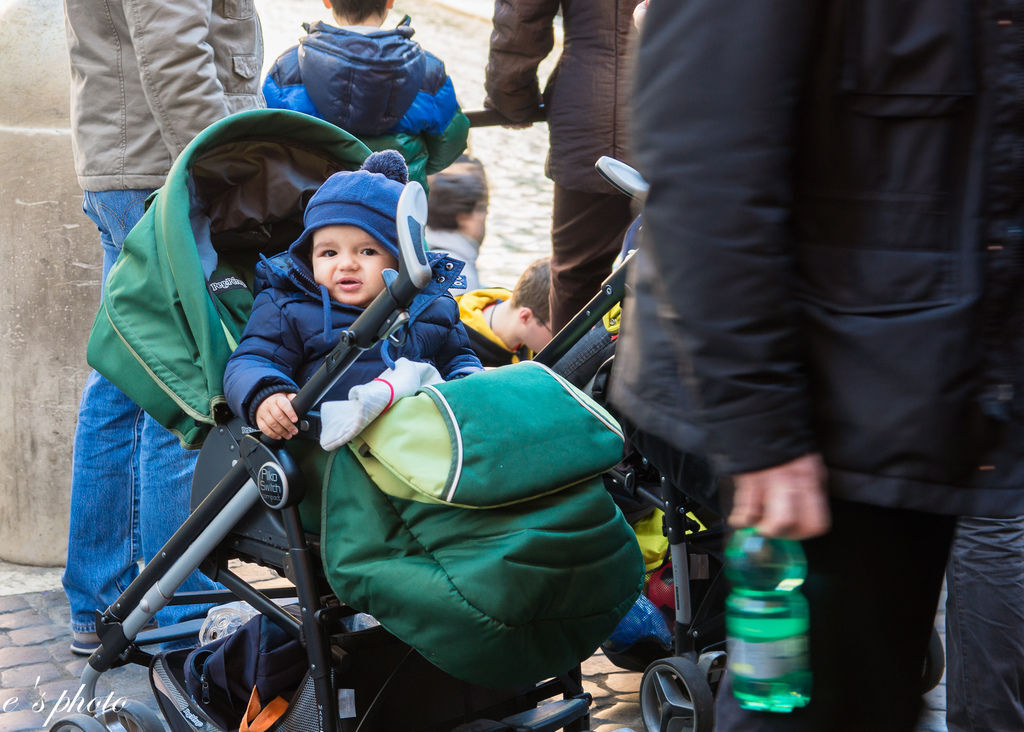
{"x": 343, "y": 420}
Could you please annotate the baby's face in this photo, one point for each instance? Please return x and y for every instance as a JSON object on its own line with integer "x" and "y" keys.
{"x": 349, "y": 262}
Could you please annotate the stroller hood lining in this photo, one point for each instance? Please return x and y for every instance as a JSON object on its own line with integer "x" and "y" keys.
{"x": 248, "y": 185}
{"x": 162, "y": 336}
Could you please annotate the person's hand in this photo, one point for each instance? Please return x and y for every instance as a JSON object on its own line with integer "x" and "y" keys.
{"x": 276, "y": 418}
{"x": 786, "y": 501}
{"x": 639, "y": 12}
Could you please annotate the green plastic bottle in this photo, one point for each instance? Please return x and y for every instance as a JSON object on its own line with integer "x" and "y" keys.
{"x": 766, "y": 622}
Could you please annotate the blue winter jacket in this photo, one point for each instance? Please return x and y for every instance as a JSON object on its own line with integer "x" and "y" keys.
{"x": 381, "y": 87}
{"x": 294, "y": 325}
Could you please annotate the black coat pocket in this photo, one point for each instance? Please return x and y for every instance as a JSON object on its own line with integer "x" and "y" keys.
{"x": 908, "y": 58}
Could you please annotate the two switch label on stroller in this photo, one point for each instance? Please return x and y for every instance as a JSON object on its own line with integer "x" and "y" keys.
{"x": 273, "y": 485}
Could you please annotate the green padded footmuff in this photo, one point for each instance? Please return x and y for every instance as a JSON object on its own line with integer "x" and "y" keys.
{"x": 493, "y": 438}
{"x": 511, "y": 590}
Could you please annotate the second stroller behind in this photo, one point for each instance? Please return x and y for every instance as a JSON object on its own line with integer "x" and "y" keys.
{"x": 680, "y": 678}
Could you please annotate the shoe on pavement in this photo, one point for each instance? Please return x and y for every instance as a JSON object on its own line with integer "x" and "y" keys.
{"x": 83, "y": 644}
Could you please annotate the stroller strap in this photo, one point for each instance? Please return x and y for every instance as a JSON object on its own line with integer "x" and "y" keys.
{"x": 259, "y": 718}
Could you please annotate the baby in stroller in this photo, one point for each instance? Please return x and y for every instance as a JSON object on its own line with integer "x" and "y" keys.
{"x": 311, "y": 293}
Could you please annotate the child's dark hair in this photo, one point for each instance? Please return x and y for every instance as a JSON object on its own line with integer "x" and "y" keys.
{"x": 460, "y": 189}
{"x": 532, "y": 289}
{"x": 357, "y": 10}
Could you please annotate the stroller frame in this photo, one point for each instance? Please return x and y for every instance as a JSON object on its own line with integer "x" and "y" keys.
{"x": 682, "y": 685}
{"x": 671, "y": 499}
{"x": 264, "y": 471}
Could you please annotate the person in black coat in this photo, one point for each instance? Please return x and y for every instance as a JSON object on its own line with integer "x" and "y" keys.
{"x": 832, "y": 232}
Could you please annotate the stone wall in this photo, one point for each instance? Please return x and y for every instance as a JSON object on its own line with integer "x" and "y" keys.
{"x": 50, "y": 266}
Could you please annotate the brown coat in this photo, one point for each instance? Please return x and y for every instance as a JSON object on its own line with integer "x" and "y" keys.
{"x": 586, "y": 95}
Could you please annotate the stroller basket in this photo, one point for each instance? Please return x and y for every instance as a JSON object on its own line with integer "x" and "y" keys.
{"x": 184, "y": 715}
{"x": 381, "y": 678}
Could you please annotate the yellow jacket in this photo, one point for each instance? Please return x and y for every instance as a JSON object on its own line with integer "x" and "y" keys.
{"x": 488, "y": 346}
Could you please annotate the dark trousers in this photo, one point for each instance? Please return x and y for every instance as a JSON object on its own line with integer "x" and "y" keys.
{"x": 586, "y": 236}
{"x": 985, "y": 626}
{"x": 873, "y": 586}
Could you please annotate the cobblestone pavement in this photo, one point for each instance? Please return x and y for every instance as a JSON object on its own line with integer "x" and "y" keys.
{"x": 38, "y": 674}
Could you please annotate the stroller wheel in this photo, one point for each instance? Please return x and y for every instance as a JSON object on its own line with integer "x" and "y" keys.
{"x": 675, "y": 697}
{"x": 712, "y": 665}
{"x": 77, "y": 723}
{"x": 132, "y": 716}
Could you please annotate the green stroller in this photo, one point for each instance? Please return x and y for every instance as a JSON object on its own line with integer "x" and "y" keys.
{"x": 485, "y": 606}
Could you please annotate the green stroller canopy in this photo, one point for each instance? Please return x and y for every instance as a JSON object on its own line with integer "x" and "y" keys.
{"x": 177, "y": 299}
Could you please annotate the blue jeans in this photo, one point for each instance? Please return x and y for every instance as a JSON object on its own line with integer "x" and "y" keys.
{"x": 130, "y": 479}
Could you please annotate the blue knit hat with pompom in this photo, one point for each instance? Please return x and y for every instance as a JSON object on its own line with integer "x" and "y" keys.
{"x": 366, "y": 198}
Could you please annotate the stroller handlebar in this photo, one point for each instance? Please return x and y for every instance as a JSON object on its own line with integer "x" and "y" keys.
{"x": 613, "y": 289}
{"x": 411, "y": 217}
{"x": 623, "y": 177}
{"x": 491, "y": 117}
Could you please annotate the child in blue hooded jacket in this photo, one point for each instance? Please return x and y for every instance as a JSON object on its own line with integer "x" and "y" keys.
{"x": 378, "y": 85}
{"x": 306, "y": 297}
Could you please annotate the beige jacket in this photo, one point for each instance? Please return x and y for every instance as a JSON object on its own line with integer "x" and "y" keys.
{"x": 148, "y": 75}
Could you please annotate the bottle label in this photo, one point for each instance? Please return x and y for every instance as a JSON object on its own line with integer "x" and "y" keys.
{"x": 768, "y": 660}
